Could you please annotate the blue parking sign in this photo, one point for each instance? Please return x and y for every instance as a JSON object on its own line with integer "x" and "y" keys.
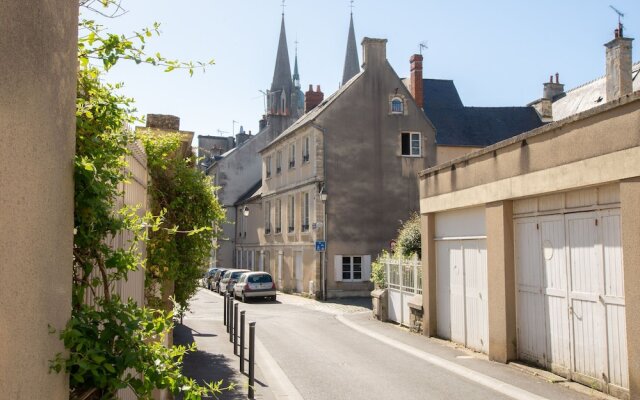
{"x": 321, "y": 245}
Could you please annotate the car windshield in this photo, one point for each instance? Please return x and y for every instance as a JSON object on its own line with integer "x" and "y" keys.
{"x": 261, "y": 278}
{"x": 236, "y": 274}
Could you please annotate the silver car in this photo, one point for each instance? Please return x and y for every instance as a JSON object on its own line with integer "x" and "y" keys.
{"x": 229, "y": 279}
{"x": 255, "y": 284}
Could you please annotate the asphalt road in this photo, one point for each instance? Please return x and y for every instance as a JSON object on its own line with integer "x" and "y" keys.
{"x": 324, "y": 358}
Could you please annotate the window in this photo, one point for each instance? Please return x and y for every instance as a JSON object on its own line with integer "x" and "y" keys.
{"x": 278, "y": 216}
{"x": 411, "y": 144}
{"x": 305, "y": 149}
{"x": 351, "y": 268}
{"x": 397, "y": 106}
{"x": 268, "y": 166}
{"x": 292, "y": 155}
{"x": 267, "y": 218}
{"x": 292, "y": 214}
{"x": 278, "y": 162}
{"x": 305, "y": 212}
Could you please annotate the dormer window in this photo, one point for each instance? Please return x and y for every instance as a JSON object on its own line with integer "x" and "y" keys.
{"x": 397, "y": 105}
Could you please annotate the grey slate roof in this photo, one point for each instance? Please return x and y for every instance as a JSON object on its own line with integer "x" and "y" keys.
{"x": 457, "y": 125}
{"x": 587, "y": 96}
{"x": 254, "y": 191}
{"x": 351, "y": 63}
{"x": 282, "y": 72}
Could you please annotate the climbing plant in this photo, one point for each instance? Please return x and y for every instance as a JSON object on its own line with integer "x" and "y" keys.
{"x": 114, "y": 343}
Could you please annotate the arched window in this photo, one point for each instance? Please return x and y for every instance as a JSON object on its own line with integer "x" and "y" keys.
{"x": 397, "y": 106}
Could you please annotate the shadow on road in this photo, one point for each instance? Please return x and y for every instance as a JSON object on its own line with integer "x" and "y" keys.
{"x": 205, "y": 365}
{"x": 364, "y": 302}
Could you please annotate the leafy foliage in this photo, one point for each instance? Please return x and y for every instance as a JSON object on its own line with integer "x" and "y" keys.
{"x": 112, "y": 344}
{"x": 179, "y": 251}
{"x": 409, "y": 242}
{"x": 378, "y": 271}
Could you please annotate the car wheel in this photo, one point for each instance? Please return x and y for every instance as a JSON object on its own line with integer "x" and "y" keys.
{"x": 273, "y": 298}
{"x": 244, "y": 298}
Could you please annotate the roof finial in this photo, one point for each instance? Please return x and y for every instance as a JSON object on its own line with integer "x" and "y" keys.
{"x": 283, "y": 6}
{"x": 351, "y": 6}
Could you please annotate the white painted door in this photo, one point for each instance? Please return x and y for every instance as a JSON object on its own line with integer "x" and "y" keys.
{"x": 462, "y": 314}
{"x": 570, "y": 303}
{"x": 299, "y": 274}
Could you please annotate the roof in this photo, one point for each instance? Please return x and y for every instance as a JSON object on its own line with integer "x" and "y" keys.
{"x": 282, "y": 71}
{"x": 351, "y": 63}
{"x": 587, "y": 96}
{"x": 254, "y": 192}
{"x": 457, "y": 125}
{"x": 313, "y": 114}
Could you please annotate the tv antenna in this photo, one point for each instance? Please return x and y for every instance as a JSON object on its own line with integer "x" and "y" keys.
{"x": 220, "y": 132}
{"x": 620, "y": 16}
{"x": 423, "y": 45}
{"x": 264, "y": 97}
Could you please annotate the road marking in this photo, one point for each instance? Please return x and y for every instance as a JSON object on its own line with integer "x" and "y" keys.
{"x": 279, "y": 383}
{"x": 484, "y": 380}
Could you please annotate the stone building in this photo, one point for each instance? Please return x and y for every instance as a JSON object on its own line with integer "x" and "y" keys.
{"x": 530, "y": 245}
{"x": 236, "y": 171}
{"x": 343, "y": 180}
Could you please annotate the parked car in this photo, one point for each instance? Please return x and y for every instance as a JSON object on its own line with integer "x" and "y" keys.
{"x": 253, "y": 285}
{"x": 215, "y": 280}
{"x": 205, "y": 278}
{"x": 229, "y": 280}
{"x": 208, "y": 279}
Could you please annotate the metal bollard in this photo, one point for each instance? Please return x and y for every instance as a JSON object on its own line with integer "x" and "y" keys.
{"x": 224, "y": 318}
{"x": 242, "y": 341}
{"x": 230, "y": 324}
{"x": 235, "y": 329}
{"x": 252, "y": 345}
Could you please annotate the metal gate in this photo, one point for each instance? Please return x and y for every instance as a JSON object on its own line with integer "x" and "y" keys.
{"x": 404, "y": 280}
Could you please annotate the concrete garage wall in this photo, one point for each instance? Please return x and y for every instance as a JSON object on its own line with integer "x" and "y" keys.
{"x": 37, "y": 130}
{"x": 594, "y": 147}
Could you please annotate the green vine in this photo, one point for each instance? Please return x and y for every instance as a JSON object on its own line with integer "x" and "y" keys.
{"x": 114, "y": 343}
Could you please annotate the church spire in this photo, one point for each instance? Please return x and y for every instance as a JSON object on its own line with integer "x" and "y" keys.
{"x": 282, "y": 71}
{"x": 351, "y": 63}
{"x": 296, "y": 75}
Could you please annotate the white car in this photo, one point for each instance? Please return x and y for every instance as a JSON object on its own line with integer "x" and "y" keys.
{"x": 255, "y": 284}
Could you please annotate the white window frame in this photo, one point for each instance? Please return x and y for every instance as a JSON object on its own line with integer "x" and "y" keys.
{"x": 268, "y": 166}
{"x": 278, "y": 162}
{"x": 292, "y": 155}
{"x": 267, "y": 218}
{"x": 306, "y": 149}
{"x": 278, "y": 216}
{"x": 291, "y": 214}
{"x": 411, "y": 135}
{"x": 351, "y": 268}
{"x": 305, "y": 213}
{"x": 394, "y": 100}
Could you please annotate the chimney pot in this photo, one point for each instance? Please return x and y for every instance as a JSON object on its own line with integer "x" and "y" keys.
{"x": 417, "y": 89}
{"x": 312, "y": 99}
{"x": 557, "y": 77}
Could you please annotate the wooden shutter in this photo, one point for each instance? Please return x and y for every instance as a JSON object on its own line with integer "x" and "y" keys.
{"x": 366, "y": 268}
{"x": 337, "y": 268}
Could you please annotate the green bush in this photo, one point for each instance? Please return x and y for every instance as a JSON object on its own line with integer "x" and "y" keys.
{"x": 409, "y": 242}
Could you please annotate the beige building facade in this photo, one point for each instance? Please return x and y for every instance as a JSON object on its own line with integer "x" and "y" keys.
{"x": 344, "y": 175}
{"x": 37, "y": 121}
{"x": 530, "y": 247}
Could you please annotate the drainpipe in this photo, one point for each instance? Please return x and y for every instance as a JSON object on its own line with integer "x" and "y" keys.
{"x": 324, "y": 214}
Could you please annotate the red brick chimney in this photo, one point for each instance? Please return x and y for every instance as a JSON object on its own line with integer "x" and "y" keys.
{"x": 312, "y": 99}
{"x": 416, "y": 79}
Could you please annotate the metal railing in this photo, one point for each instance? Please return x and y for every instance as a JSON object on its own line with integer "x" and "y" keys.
{"x": 403, "y": 274}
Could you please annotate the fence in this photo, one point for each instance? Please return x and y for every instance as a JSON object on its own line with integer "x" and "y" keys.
{"x": 403, "y": 279}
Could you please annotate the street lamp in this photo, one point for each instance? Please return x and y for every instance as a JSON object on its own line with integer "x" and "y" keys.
{"x": 245, "y": 211}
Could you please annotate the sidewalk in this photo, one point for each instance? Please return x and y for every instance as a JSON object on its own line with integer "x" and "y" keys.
{"x": 214, "y": 359}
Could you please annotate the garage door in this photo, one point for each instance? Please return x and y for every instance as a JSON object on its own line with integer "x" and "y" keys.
{"x": 461, "y": 268}
{"x": 570, "y": 304}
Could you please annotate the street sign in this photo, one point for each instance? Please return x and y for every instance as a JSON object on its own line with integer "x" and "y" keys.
{"x": 321, "y": 245}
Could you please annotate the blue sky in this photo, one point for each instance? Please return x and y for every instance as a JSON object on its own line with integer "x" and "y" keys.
{"x": 497, "y": 52}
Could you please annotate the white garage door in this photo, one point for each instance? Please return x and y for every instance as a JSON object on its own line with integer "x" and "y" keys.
{"x": 570, "y": 304}
{"x": 461, "y": 260}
